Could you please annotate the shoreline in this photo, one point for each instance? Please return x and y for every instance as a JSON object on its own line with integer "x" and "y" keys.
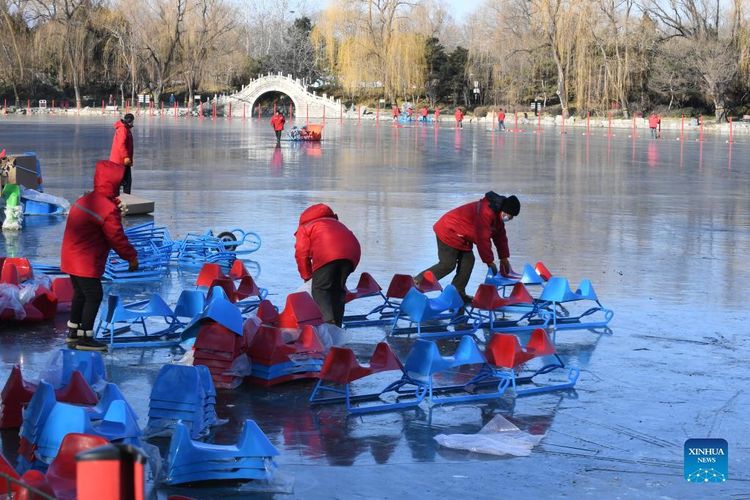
{"x": 689, "y": 125}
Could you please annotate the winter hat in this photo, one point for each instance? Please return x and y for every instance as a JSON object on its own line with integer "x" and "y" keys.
{"x": 495, "y": 201}
{"x": 511, "y": 206}
{"x": 128, "y": 119}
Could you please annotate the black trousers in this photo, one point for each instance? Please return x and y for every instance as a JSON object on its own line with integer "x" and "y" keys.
{"x": 329, "y": 289}
{"x": 87, "y": 296}
{"x": 449, "y": 259}
{"x": 278, "y": 135}
{"x": 127, "y": 181}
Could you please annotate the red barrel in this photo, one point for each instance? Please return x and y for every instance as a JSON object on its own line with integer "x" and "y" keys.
{"x": 110, "y": 472}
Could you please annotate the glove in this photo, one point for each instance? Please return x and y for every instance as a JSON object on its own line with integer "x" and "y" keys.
{"x": 122, "y": 206}
{"x": 493, "y": 268}
{"x": 505, "y": 266}
{"x": 133, "y": 265}
{"x": 127, "y": 162}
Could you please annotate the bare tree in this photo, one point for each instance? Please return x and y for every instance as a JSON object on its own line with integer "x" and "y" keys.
{"x": 158, "y": 26}
{"x": 713, "y": 52}
{"x": 73, "y": 18}
{"x": 14, "y": 41}
{"x": 207, "y": 22}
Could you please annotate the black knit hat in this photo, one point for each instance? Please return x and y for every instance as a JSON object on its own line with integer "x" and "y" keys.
{"x": 495, "y": 201}
{"x": 128, "y": 118}
{"x": 511, "y": 205}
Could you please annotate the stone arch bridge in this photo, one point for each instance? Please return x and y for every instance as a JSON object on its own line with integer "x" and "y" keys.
{"x": 306, "y": 103}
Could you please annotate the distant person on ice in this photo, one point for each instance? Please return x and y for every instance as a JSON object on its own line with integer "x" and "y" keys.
{"x": 459, "y": 118}
{"x": 122, "y": 149}
{"x": 654, "y": 121}
{"x": 477, "y": 223}
{"x": 93, "y": 228}
{"x": 277, "y": 122}
{"x": 501, "y": 120}
{"x": 326, "y": 252}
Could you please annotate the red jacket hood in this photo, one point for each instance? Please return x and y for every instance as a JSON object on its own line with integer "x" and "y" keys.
{"x": 318, "y": 211}
{"x": 107, "y": 178}
{"x": 120, "y": 124}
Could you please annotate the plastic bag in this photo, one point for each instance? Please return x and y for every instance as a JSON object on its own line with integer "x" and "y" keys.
{"x": 33, "y": 195}
{"x": 332, "y": 335}
{"x": 498, "y": 437}
{"x": 13, "y": 218}
{"x": 9, "y": 299}
{"x": 241, "y": 367}
{"x": 187, "y": 358}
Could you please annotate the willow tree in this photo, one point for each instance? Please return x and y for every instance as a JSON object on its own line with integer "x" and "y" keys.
{"x": 507, "y": 54}
{"x": 556, "y": 22}
{"x": 207, "y": 22}
{"x": 367, "y": 42}
{"x": 157, "y": 30}
{"x": 741, "y": 37}
{"x": 14, "y": 43}
{"x": 77, "y": 40}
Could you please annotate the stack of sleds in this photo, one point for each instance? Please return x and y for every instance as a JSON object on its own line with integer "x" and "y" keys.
{"x": 28, "y": 298}
{"x": 191, "y": 461}
{"x": 182, "y": 394}
{"x": 284, "y": 346}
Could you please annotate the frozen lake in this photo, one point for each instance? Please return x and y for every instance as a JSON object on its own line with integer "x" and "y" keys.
{"x": 661, "y": 227}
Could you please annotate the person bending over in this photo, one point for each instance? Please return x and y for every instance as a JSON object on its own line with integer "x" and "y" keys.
{"x": 326, "y": 252}
{"x": 477, "y": 223}
{"x": 92, "y": 229}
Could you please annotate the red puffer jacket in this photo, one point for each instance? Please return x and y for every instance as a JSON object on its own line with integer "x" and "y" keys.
{"x": 277, "y": 122}
{"x": 94, "y": 226}
{"x": 321, "y": 239}
{"x": 122, "y": 144}
{"x": 474, "y": 223}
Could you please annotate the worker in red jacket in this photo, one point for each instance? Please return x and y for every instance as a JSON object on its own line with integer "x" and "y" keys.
{"x": 477, "y": 223}
{"x": 424, "y": 113}
{"x": 122, "y": 149}
{"x": 277, "y": 122}
{"x": 328, "y": 252}
{"x": 501, "y": 120}
{"x": 93, "y": 228}
{"x": 459, "y": 118}
{"x": 654, "y": 121}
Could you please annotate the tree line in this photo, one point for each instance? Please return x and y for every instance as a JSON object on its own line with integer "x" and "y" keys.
{"x": 575, "y": 56}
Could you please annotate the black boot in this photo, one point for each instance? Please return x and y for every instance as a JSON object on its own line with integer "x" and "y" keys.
{"x": 87, "y": 342}
{"x": 72, "y": 337}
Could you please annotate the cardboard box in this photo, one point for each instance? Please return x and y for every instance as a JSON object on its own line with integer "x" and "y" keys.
{"x": 24, "y": 172}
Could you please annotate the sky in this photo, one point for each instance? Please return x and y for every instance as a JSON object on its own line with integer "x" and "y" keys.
{"x": 459, "y": 9}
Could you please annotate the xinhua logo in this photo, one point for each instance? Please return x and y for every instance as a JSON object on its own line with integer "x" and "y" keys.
{"x": 706, "y": 460}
